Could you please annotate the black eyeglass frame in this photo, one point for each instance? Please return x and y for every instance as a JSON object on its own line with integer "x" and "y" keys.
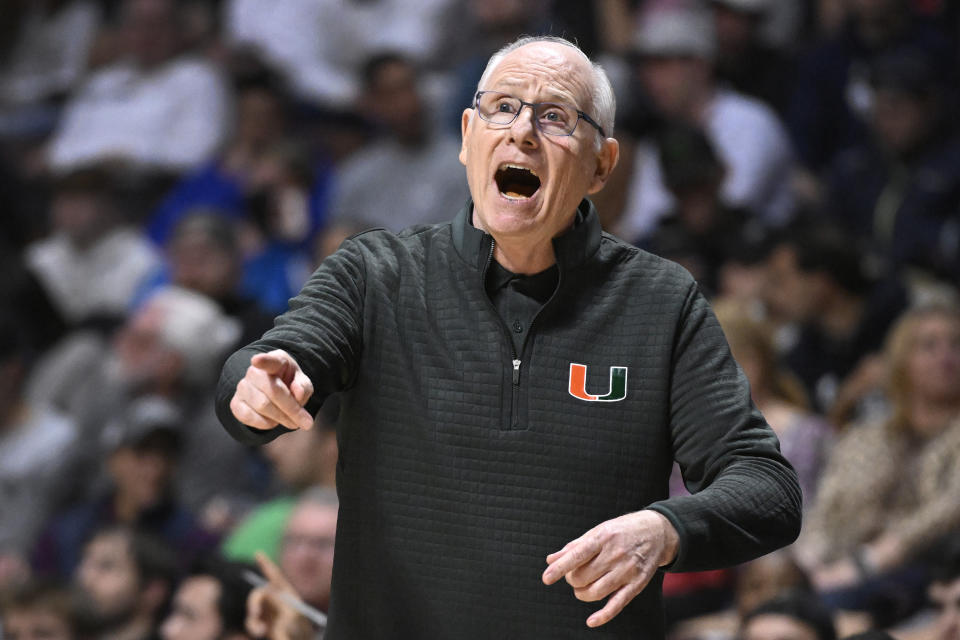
{"x": 533, "y": 106}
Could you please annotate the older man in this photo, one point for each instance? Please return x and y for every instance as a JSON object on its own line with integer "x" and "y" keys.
{"x": 514, "y": 383}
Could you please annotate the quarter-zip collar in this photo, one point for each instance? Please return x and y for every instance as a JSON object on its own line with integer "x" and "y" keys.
{"x": 572, "y": 248}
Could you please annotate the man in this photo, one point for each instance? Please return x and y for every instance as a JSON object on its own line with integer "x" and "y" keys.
{"x": 306, "y": 551}
{"x": 37, "y": 611}
{"x": 122, "y": 584}
{"x": 154, "y": 110}
{"x": 210, "y": 604}
{"x": 488, "y": 418}
{"x": 677, "y": 49}
{"x": 409, "y": 162}
{"x": 793, "y": 616}
{"x": 945, "y": 594}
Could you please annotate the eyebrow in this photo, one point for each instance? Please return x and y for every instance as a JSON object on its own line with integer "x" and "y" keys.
{"x": 553, "y": 96}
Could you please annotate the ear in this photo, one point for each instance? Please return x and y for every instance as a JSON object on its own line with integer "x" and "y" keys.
{"x": 464, "y": 133}
{"x": 607, "y": 158}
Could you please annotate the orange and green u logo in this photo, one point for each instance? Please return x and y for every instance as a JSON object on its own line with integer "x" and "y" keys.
{"x": 578, "y": 384}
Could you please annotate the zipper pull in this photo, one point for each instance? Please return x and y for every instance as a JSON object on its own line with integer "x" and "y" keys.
{"x": 516, "y": 372}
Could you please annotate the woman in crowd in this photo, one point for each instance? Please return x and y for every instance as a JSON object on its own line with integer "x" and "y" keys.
{"x": 891, "y": 489}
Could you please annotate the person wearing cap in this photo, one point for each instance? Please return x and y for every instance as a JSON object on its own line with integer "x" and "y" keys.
{"x": 516, "y": 385}
{"x": 744, "y": 61}
{"x": 675, "y": 51}
{"x": 141, "y": 449}
{"x": 900, "y": 189}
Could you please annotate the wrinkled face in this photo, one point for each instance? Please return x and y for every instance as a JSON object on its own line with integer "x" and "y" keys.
{"x": 526, "y": 184}
{"x": 946, "y": 598}
{"x": 35, "y": 624}
{"x": 933, "y": 365}
{"x": 306, "y": 553}
{"x": 194, "y": 615}
{"x": 777, "y": 627}
{"x": 108, "y": 581}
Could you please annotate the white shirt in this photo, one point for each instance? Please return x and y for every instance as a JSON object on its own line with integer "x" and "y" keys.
{"x": 172, "y": 117}
{"x": 320, "y": 45}
{"x": 101, "y": 279}
{"x": 753, "y": 145}
{"x": 391, "y": 186}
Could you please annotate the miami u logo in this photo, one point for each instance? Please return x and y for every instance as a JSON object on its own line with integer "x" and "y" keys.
{"x": 578, "y": 384}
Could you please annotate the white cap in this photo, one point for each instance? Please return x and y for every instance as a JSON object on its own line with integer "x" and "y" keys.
{"x": 676, "y": 31}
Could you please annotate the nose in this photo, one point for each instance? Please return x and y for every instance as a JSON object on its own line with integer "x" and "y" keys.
{"x": 523, "y": 130}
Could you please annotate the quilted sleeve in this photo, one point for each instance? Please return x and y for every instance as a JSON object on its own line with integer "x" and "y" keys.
{"x": 322, "y": 329}
{"x": 746, "y": 498}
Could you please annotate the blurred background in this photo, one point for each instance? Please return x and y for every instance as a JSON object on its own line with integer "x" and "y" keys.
{"x": 172, "y": 171}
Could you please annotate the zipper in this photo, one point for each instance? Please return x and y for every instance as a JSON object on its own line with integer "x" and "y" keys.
{"x": 511, "y": 422}
{"x": 516, "y": 358}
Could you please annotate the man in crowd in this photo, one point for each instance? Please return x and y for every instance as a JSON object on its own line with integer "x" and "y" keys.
{"x": 123, "y": 583}
{"x": 37, "y": 611}
{"x": 488, "y": 417}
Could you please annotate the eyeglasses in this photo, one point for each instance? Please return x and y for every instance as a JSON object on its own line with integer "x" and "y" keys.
{"x": 551, "y": 118}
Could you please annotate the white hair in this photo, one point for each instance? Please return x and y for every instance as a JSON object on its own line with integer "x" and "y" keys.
{"x": 602, "y": 99}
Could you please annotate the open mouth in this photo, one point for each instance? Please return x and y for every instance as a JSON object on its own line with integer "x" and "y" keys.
{"x": 516, "y": 182}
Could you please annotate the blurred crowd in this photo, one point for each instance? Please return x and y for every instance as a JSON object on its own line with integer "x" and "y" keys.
{"x": 172, "y": 171}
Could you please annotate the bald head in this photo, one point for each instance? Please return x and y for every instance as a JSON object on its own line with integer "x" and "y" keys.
{"x": 603, "y": 104}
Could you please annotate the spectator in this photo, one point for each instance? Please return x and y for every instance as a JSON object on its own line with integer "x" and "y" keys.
{"x": 677, "y": 47}
{"x": 890, "y": 489}
{"x": 91, "y": 265}
{"x": 306, "y": 552}
{"x": 306, "y": 459}
{"x": 789, "y": 617}
{"x": 743, "y": 60}
{"x": 204, "y": 255}
{"x": 222, "y": 184}
{"x": 154, "y": 110}
{"x": 210, "y": 604}
{"x": 123, "y": 584}
{"x": 901, "y": 187}
{"x": 320, "y": 45}
{"x": 831, "y": 91}
{"x": 700, "y": 232}
{"x": 169, "y": 348}
{"x": 141, "y": 452}
{"x": 38, "y": 611}
{"x": 944, "y": 592}
{"x": 819, "y": 282}
{"x": 45, "y": 62}
{"x": 804, "y": 436}
{"x": 410, "y": 165}
{"x": 35, "y": 443}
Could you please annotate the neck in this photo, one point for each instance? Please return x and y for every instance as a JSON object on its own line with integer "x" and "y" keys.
{"x": 929, "y": 418}
{"x": 840, "y": 319}
{"x": 518, "y": 257}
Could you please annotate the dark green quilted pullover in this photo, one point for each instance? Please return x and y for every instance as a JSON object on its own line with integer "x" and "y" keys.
{"x": 463, "y": 464}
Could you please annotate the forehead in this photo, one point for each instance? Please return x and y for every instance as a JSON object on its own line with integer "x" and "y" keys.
{"x": 549, "y": 70}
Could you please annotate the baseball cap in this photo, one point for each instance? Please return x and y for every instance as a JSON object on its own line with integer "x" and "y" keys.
{"x": 148, "y": 423}
{"x": 676, "y": 32}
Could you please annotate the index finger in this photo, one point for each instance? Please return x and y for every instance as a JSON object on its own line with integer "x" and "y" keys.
{"x": 575, "y": 554}
{"x": 272, "y": 572}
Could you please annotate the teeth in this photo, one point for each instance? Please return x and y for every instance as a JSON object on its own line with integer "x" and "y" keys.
{"x": 517, "y": 166}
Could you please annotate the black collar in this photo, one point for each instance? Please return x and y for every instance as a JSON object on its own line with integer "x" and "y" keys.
{"x": 571, "y": 248}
